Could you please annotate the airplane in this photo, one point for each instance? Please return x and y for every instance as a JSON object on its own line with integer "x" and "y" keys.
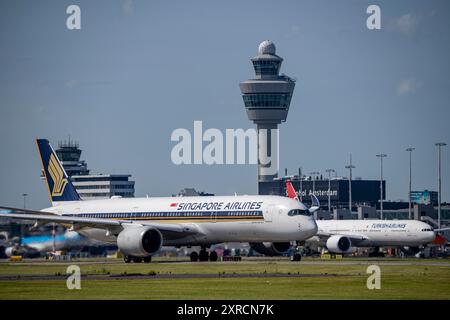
{"x": 344, "y": 236}
{"x": 141, "y": 226}
{"x": 33, "y": 246}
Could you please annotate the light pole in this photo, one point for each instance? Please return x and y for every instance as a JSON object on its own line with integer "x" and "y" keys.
{"x": 439, "y": 145}
{"x": 410, "y": 150}
{"x": 22, "y": 231}
{"x": 301, "y": 186}
{"x": 350, "y": 167}
{"x": 381, "y": 156}
{"x": 329, "y": 187}
{"x": 24, "y": 195}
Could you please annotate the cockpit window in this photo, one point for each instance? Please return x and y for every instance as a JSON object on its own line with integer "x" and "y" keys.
{"x": 299, "y": 212}
{"x": 427, "y": 229}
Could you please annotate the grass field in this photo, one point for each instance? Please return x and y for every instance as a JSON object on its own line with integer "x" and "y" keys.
{"x": 346, "y": 279}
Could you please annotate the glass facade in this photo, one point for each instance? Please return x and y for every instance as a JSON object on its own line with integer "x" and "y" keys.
{"x": 266, "y": 67}
{"x": 363, "y": 191}
{"x": 273, "y": 100}
{"x": 105, "y": 186}
{"x": 94, "y": 179}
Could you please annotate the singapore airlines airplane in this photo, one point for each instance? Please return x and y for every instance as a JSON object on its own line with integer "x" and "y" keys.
{"x": 140, "y": 226}
{"x": 344, "y": 236}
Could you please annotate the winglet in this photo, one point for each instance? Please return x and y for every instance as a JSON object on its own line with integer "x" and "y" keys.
{"x": 315, "y": 204}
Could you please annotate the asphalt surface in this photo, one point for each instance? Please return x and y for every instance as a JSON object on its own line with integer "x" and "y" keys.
{"x": 168, "y": 276}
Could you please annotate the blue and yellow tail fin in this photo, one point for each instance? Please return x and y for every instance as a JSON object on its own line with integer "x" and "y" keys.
{"x": 59, "y": 186}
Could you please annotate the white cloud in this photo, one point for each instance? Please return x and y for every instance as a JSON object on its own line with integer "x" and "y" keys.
{"x": 406, "y": 24}
{"x": 407, "y": 86}
{"x": 128, "y": 7}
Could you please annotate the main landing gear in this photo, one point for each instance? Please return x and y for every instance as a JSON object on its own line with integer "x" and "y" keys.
{"x": 203, "y": 255}
{"x": 129, "y": 259}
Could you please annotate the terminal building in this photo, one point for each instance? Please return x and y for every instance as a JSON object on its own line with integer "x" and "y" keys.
{"x": 92, "y": 186}
{"x": 364, "y": 192}
{"x": 102, "y": 186}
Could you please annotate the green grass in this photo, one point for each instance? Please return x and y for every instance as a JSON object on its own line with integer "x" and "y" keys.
{"x": 417, "y": 281}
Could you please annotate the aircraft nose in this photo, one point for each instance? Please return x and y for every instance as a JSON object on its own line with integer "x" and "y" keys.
{"x": 431, "y": 235}
{"x": 312, "y": 226}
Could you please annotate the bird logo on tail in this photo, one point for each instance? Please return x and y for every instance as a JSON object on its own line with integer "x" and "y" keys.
{"x": 56, "y": 173}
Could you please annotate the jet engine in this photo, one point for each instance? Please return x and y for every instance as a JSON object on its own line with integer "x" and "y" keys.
{"x": 270, "y": 248}
{"x": 339, "y": 244}
{"x": 139, "y": 241}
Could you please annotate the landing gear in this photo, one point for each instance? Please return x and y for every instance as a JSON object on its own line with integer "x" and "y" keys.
{"x": 213, "y": 256}
{"x": 203, "y": 255}
{"x": 296, "y": 255}
{"x": 128, "y": 259}
{"x": 376, "y": 253}
{"x": 194, "y": 256}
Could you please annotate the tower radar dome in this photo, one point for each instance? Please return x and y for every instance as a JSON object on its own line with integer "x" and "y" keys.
{"x": 266, "y": 47}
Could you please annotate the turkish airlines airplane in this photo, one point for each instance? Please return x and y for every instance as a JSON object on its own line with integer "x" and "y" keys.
{"x": 140, "y": 226}
{"x": 344, "y": 236}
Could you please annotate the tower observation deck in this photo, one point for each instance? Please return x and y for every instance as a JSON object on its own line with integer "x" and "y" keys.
{"x": 267, "y": 99}
{"x": 69, "y": 154}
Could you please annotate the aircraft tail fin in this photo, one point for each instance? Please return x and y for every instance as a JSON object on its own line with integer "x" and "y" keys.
{"x": 59, "y": 186}
{"x": 290, "y": 191}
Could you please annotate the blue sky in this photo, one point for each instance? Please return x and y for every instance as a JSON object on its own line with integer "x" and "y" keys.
{"x": 137, "y": 70}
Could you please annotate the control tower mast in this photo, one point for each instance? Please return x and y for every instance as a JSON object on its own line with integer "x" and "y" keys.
{"x": 267, "y": 99}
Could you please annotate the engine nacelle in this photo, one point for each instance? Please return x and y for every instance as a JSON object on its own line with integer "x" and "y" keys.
{"x": 139, "y": 241}
{"x": 340, "y": 244}
{"x": 270, "y": 248}
{"x": 10, "y": 251}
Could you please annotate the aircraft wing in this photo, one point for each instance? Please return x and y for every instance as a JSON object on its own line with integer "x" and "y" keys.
{"x": 442, "y": 229}
{"x": 18, "y": 210}
{"x": 169, "y": 231}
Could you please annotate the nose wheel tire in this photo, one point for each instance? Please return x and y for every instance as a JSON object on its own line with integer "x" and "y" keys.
{"x": 296, "y": 257}
{"x": 147, "y": 259}
{"x": 127, "y": 259}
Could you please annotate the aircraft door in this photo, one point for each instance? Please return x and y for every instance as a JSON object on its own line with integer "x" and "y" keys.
{"x": 268, "y": 212}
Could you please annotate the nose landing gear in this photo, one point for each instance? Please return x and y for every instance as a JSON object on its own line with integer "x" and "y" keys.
{"x": 296, "y": 254}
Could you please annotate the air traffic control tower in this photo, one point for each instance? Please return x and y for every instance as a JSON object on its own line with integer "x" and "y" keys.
{"x": 267, "y": 99}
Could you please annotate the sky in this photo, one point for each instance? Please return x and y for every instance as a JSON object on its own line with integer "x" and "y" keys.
{"x": 138, "y": 70}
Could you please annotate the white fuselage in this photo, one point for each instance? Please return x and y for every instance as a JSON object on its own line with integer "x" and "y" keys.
{"x": 380, "y": 232}
{"x": 218, "y": 219}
